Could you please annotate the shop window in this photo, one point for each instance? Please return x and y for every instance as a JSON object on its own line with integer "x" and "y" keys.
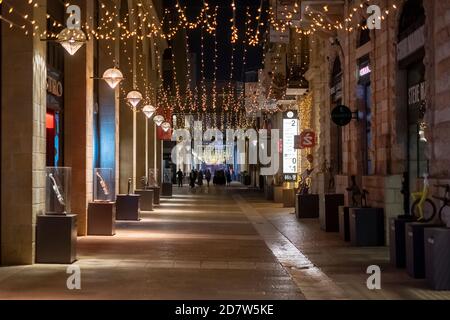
{"x": 336, "y": 162}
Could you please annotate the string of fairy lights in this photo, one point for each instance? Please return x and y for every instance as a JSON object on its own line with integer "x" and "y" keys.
{"x": 141, "y": 24}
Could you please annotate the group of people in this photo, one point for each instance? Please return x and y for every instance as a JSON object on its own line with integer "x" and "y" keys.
{"x": 196, "y": 177}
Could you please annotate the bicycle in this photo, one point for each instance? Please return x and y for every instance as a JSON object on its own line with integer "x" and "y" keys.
{"x": 424, "y": 208}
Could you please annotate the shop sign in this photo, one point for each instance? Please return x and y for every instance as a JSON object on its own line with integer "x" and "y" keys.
{"x": 411, "y": 44}
{"x": 307, "y": 139}
{"x": 416, "y": 94}
{"x": 290, "y": 130}
{"x": 54, "y": 87}
{"x": 364, "y": 71}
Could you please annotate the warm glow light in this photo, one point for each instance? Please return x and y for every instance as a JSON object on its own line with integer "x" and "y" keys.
{"x": 159, "y": 119}
{"x": 134, "y": 98}
{"x": 72, "y": 40}
{"x": 166, "y": 126}
{"x": 113, "y": 77}
{"x": 149, "y": 111}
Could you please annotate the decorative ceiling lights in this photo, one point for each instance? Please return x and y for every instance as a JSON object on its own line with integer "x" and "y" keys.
{"x": 113, "y": 77}
{"x": 166, "y": 126}
{"x": 159, "y": 119}
{"x": 149, "y": 111}
{"x": 134, "y": 98}
{"x": 71, "y": 39}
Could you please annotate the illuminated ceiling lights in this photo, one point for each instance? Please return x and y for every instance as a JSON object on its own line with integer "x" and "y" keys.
{"x": 113, "y": 77}
{"x": 134, "y": 98}
{"x": 166, "y": 126}
{"x": 71, "y": 40}
{"x": 159, "y": 119}
{"x": 149, "y": 111}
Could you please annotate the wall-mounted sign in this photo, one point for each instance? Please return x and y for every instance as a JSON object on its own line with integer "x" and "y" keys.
{"x": 411, "y": 44}
{"x": 54, "y": 86}
{"x": 364, "y": 71}
{"x": 290, "y": 130}
{"x": 416, "y": 94}
{"x": 307, "y": 139}
{"x": 341, "y": 115}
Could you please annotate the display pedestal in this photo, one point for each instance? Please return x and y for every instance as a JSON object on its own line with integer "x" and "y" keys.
{"x": 288, "y": 198}
{"x": 307, "y": 206}
{"x": 147, "y": 198}
{"x": 268, "y": 192}
{"x": 344, "y": 223}
{"x": 397, "y": 245}
{"x": 329, "y": 219}
{"x": 367, "y": 227}
{"x": 156, "y": 194}
{"x": 415, "y": 248}
{"x": 278, "y": 194}
{"x": 437, "y": 257}
{"x": 127, "y": 207}
{"x": 101, "y": 218}
{"x": 56, "y": 239}
{"x": 166, "y": 190}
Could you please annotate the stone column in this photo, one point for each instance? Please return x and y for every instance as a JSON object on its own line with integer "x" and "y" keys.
{"x": 78, "y": 104}
{"x": 24, "y": 75}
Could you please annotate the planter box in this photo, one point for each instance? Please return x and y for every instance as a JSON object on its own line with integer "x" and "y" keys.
{"x": 344, "y": 223}
{"x": 367, "y": 227}
{"x": 437, "y": 257}
{"x": 329, "y": 219}
{"x": 101, "y": 218}
{"x": 156, "y": 194}
{"x": 127, "y": 207}
{"x": 307, "y": 206}
{"x": 397, "y": 244}
{"x": 415, "y": 248}
{"x": 166, "y": 190}
{"x": 56, "y": 239}
{"x": 268, "y": 192}
{"x": 278, "y": 194}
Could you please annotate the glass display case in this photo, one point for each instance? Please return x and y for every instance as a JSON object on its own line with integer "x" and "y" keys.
{"x": 153, "y": 178}
{"x": 57, "y": 190}
{"x": 103, "y": 185}
{"x": 167, "y": 175}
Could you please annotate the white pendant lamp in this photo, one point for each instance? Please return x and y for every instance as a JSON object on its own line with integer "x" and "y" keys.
{"x": 149, "y": 110}
{"x": 113, "y": 77}
{"x": 134, "y": 98}
{"x": 166, "y": 126}
{"x": 71, "y": 39}
{"x": 159, "y": 119}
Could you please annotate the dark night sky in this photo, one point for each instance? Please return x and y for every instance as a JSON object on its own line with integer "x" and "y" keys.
{"x": 224, "y": 49}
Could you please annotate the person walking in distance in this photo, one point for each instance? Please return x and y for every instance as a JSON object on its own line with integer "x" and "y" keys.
{"x": 180, "y": 178}
{"x": 208, "y": 176}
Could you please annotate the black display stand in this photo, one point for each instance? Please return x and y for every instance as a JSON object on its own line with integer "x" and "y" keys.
{"x": 288, "y": 198}
{"x": 397, "y": 245}
{"x": 307, "y": 206}
{"x": 166, "y": 190}
{"x": 437, "y": 257}
{"x": 367, "y": 227}
{"x": 56, "y": 239}
{"x": 344, "y": 223}
{"x": 127, "y": 207}
{"x": 147, "y": 198}
{"x": 156, "y": 194}
{"x": 415, "y": 248}
{"x": 101, "y": 218}
{"x": 329, "y": 219}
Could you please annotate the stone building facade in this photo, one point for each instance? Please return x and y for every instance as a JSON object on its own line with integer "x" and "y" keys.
{"x": 96, "y": 128}
{"x": 397, "y": 79}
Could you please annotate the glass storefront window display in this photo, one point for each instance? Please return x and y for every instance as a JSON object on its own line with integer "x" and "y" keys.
{"x": 103, "y": 185}
{"x": 57, "y": 186}
{"x": 153, "y": 178}
{"x": 167, "y": 178}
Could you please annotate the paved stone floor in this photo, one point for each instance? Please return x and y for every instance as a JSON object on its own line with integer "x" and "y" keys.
{"x": 216, "y": 243}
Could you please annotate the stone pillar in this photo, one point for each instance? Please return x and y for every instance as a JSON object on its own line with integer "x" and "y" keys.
{"x": 79, "y": 101}
{"x": 23, "y": 110}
